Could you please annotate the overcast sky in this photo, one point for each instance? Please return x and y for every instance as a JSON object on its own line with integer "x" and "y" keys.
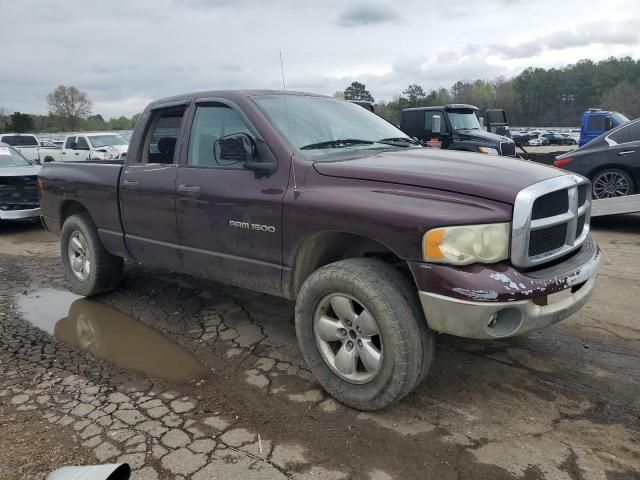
{"x": 126, "y": 53}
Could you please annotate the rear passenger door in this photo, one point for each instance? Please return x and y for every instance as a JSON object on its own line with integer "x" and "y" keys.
{"x": 81, "y": 152}
{"x": 147, "y": 191}
{"x": 66, "y": 155}
{"x": 229, "y": 218}
{"x": 626, "y": 151}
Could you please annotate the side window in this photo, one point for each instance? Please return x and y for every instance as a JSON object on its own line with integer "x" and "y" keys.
{"x": 634, "y": 132}
{"x": 622, "y": 136}
{"x": 428, "y": 120}
{"x": 29, "y": 141}
{"x": 162, "y": 136}
{"x": 69, "y": 142}
{"x": 210, "y": 123}
{"x": 596, "y": 122}
{"x": 82, "y": 144}
{"x": 10, "y": 140}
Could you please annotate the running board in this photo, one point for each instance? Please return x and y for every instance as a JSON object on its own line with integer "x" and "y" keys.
{"x": 615, "y": 206}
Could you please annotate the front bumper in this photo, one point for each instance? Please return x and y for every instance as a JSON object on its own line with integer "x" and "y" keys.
{"x": 19, "y": 214}
{"x": 516, "y": 303}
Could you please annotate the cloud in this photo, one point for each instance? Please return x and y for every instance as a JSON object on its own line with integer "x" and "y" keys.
{"x": 366, "y": 14}
{"x": 601, "y": 33}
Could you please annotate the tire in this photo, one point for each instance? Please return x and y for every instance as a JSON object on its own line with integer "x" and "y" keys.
{"x": 619, "y": 182}
{"x": 375, "y": 291}
{"x": 103, "y": 271}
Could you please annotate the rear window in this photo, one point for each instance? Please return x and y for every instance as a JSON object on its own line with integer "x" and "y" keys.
{"x": 596, "y": 122}
{"x": 20, "y": 140}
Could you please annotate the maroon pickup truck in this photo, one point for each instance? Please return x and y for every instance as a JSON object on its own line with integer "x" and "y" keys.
{"x": 381, "y": 242}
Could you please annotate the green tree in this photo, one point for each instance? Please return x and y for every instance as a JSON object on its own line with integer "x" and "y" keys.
{"x": 414, "y": 94}
{"x": 120, "y": 123}
{"x": 95, "y": 122}
{"x": 358, "y": 91}
{"x": 20, "y": 122}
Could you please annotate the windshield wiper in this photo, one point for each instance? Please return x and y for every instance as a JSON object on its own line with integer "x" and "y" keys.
{"x": 396, "y": 140}
{"x": 338, "y": 143}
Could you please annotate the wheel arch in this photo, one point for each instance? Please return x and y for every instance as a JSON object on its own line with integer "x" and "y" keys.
{"x": 71, "y": 207}
{"x": 322, "y": 248}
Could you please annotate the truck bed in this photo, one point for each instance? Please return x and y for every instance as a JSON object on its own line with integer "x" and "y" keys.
{"x": 95, "y": 182}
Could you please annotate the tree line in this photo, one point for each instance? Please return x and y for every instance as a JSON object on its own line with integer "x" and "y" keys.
{"x": 535, "y": 97}
{"x": 70, "y": 109}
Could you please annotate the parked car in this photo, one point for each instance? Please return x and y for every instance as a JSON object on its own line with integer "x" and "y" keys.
{"x": 46, "y": 144}
{"x": 454, "y": 127}
{"x": 18, "y": 190}
{"x": 379, "y": 241}
{"x": 537, "y": 141}
{"x": 93, "y": 146}
{"x": 558, "y": 139}
{"x": 595, "y": 122}
{"x": 24, "y": 143}
{"x": 611, "y": 161}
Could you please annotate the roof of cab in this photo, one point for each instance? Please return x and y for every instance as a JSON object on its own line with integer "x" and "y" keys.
{"x": 230, "y": 94}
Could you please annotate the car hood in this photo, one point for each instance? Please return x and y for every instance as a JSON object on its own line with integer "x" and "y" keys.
{"x": 482, "y": 136}
{"x": 19, "y": 171}
{"x": 119, "y": 148}
{"x": 477, "y": 174}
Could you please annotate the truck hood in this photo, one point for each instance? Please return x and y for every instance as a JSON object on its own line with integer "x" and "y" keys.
{"x": 482, "y": 136}
{"x": 477, "y": 174}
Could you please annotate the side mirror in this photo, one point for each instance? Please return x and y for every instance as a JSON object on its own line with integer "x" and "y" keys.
{"x": 436, "y": 124}
{"x": 235, "y": 148}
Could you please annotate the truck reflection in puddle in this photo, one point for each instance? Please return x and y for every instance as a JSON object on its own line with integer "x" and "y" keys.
{"x": 109, "y": 334}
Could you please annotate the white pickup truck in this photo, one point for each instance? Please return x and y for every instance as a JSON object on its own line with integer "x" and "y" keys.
{"x": 91, "y": 146}
{"x": 24, "y": 143}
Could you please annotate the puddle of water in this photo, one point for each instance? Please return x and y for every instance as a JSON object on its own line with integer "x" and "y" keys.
{"x": 109, "y": 334}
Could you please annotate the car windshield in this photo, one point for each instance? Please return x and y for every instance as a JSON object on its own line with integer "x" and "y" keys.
{"x": 11, "y": 158}
{"x": 463, "y": 120}
{"x": 98, "y": 141}
{"x": 320, "y": 125}
{"x": 620, "y": 118}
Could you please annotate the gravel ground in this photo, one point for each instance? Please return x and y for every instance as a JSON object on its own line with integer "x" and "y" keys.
{"x": 184, "y": 378}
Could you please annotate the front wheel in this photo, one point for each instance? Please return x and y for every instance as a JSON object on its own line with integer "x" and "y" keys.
{"x": 88, "y": 267}
{"x": 611, "y": 183}
{"x": 359, "y": 332}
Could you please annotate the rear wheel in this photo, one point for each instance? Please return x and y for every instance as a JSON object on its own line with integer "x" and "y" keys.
{"x": 88, "y": 267}
{"x": 611, "y": 183}
{"x": 359, "y": 333}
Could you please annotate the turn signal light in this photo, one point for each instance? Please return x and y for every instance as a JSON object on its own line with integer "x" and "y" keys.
{"x": 561, "y": 162}
{"x": 40, "y": 184}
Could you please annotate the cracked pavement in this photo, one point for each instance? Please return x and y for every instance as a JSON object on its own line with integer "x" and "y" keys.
{"x": 235, "y": 400}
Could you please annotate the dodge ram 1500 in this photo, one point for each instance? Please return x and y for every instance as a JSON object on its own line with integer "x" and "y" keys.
{"x": 379, "y": 241}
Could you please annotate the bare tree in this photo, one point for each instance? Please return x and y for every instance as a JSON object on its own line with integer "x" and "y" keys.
{"x": 69, "y": 104}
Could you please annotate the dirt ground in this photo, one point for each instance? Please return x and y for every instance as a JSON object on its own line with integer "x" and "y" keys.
{"x": 183, "y": 378}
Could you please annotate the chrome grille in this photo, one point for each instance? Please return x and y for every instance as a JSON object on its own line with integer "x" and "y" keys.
{"x": 550, "y": 219}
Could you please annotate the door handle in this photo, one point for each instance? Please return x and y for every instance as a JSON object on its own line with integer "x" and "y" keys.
{"x": 626, "y": 152}
{"x": 63, "y": 153}
{"x": 130, "y": 183}
{"x": 77, "y": 153}
{"x": 189, "y": 188}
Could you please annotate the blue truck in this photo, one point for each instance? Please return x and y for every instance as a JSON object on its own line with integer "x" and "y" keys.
{"x": 595, "y": 122}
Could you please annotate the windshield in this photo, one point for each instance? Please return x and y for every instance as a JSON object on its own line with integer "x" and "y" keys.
{"x": 463, "y": 120}
{"x": 619, "y": 118}
{"x": 98, "y": 141}
{"x": 10, "y": 158}
{"x": 320, "y": 125}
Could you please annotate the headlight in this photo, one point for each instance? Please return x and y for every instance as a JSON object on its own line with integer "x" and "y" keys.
{"x": 467, "y": 244}
{"x": 488, "y": 150}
